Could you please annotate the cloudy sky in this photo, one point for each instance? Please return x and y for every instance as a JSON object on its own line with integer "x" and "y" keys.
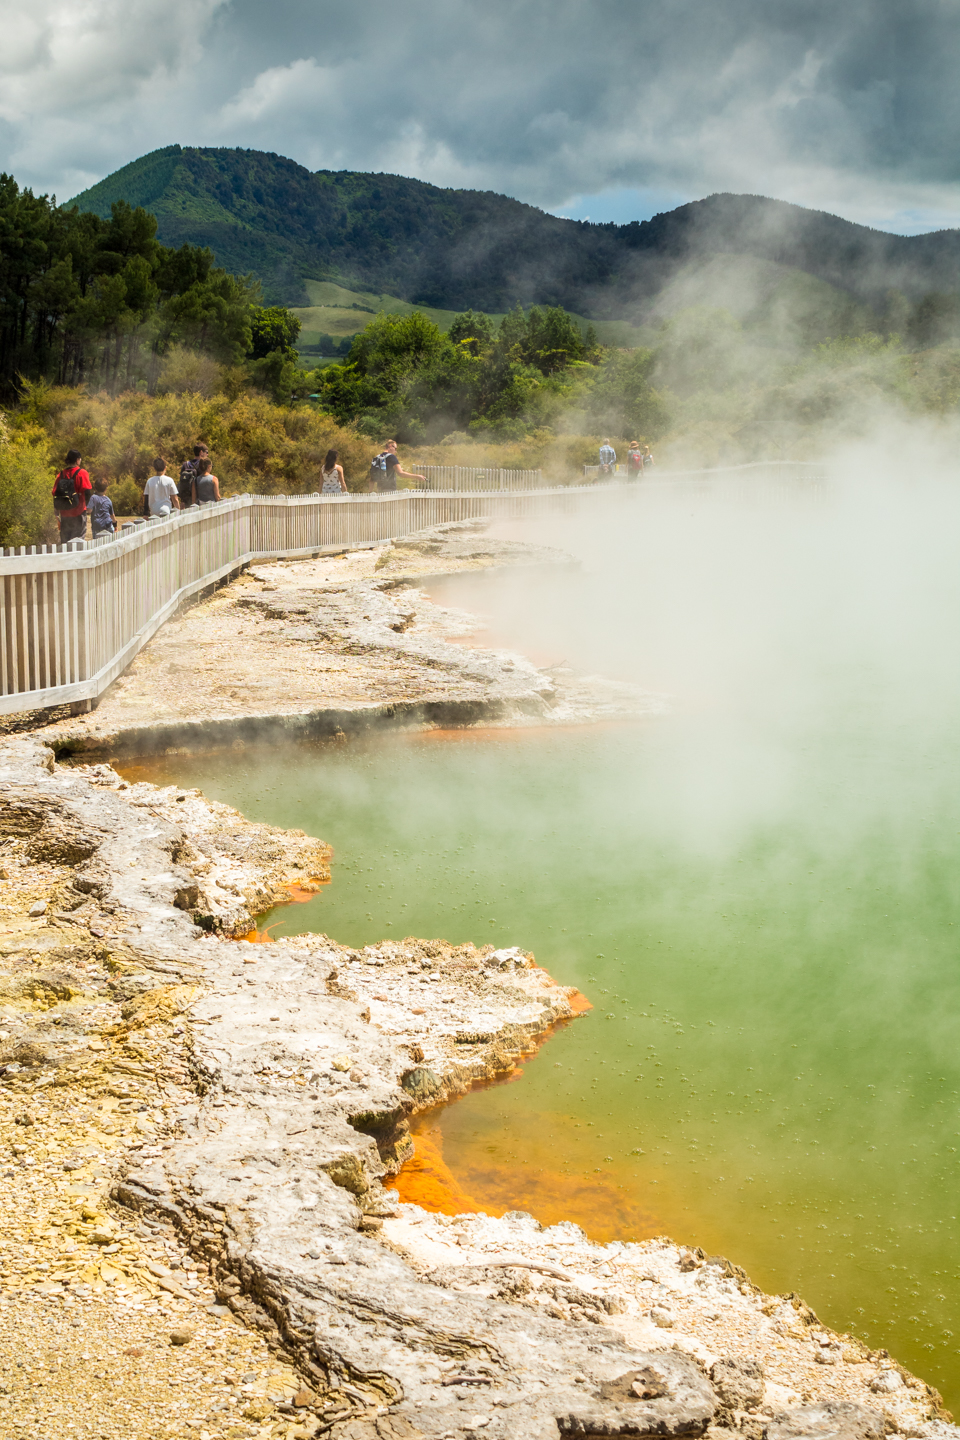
{"x": 612, "y": 109}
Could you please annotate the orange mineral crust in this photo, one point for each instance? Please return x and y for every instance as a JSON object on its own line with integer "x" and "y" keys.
{"x": 604, "y": 1208}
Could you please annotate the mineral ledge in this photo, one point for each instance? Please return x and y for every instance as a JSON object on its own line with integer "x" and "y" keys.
{"x": 201, "y": 1129}
{"x": 195, "y": 1237}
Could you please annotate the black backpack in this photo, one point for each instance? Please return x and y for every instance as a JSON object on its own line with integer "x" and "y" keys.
{"x": 378, "y": 468}
{"x": 65, "y": 495}
{"x": 188, "y": 474}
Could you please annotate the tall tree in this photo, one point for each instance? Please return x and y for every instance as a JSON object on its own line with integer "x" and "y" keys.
{"x": 88, "y": 300}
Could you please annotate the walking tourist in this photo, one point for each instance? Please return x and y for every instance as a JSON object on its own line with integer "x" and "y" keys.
{"x": 100, "y": 509}
{"x": 188, "y": 476}
{"x": 647, "y": 457}
{"x": 160, "y": 491}
{"x": 70, "y": 491}
{"x": 331, "y": 476}
{"x": 608, "y": 459}
{"x": 634, "y": 460}
{"x": 385, "y": 469}
{"x": 207, "y": 485}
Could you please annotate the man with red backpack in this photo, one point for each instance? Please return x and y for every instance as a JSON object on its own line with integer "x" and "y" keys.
{"x": 70, "y": 491}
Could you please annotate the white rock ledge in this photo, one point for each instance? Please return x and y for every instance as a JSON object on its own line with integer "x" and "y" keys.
{"x": 291, "y": 1071}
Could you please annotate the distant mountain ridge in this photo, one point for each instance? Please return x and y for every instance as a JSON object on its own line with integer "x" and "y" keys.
{"x": 462, "y": 249}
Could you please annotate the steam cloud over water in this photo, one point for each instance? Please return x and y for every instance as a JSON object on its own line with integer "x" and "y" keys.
{"x": 757, "y": 890}
{"x": 772, "y": 607}
{"x": 773, "y": 871}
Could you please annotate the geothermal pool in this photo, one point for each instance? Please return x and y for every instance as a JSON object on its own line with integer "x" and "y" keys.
{"x": 758, "y": 891}
{"x": 772, "y": 1066}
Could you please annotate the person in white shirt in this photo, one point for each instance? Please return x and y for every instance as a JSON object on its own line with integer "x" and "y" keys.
{"x": 160, "y": 490}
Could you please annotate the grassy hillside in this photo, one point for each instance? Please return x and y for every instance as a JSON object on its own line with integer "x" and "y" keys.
{"x": 462, "y": 249}
{"x": 775, "y": 305}
{"x": 335, "y": 310}
{"x": 339, "y": 312}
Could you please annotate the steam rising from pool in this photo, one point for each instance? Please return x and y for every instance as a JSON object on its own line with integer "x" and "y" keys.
{"x": 759, "y": 892}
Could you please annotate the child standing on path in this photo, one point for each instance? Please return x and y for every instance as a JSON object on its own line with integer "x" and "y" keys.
{"x": 100, "y": 509}
{"x": 160, "y": 491}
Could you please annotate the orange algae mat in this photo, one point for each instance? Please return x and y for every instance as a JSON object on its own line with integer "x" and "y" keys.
{"x": 426, "y": 1180}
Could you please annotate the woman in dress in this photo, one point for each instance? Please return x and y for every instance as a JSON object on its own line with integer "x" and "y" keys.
{"x": 332, "y": 476}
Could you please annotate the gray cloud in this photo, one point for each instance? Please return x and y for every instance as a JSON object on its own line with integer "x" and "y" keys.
{"x": 849, "y": 108}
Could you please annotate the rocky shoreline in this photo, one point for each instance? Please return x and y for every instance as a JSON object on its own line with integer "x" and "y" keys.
{"x": 195, "y": 1233}
{"x": 259, "y": 1096}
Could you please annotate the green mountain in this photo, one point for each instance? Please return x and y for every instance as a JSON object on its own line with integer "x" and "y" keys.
{"x": 453, "y": 250}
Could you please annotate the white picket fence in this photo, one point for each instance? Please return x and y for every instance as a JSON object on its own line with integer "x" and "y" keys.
{"x": 471, "y": 478}
{"x": 466, "y": 479}
{"x": 754, "y": 470}
{"x": 73, "y": 617}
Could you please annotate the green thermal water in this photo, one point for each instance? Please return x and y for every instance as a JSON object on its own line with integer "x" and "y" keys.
{"x": 772, "y": 1067}
{"x": 758, "y": 892}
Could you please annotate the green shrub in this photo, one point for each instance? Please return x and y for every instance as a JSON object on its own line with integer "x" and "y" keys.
{"x": 26, "y": 480}
{"x": 255, "y": 445}
{"x": 127, "y": 496}
{"x": 185, "y": 371}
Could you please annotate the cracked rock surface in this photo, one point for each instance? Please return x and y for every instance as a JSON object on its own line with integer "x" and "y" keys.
{"x": 337, "y": 643}
{"x": 197, "y": 1132}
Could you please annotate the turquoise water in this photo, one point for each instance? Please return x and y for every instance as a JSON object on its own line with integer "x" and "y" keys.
{"x": 758, "y": 892}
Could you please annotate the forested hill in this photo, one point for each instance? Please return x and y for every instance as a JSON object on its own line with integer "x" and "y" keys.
{"x": 462, "y": 249}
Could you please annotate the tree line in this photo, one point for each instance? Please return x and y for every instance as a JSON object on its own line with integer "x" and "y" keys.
{"x": 87, "y": 301}
{"x": 403, "y": 372}
{"x": 101, "y": 305}
{"x": 728, "y": 386}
